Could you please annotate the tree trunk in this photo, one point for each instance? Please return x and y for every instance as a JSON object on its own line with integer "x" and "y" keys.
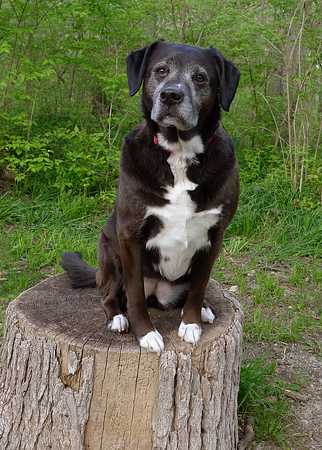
{"x": 69, "y": 383}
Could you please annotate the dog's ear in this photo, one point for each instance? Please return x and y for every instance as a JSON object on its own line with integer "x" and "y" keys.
{"x": 229, "y": 77}
{"x": 136, "y": 63}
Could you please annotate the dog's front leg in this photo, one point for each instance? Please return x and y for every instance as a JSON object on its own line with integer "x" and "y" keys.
{"x": 190, "y": 326}
{"x": 141, "y": 324}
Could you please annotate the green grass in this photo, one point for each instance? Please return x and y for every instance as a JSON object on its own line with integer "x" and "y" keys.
{"x": 261, "y": 396}
{"x": 276, "y": 310}
{"x": 267, "y": 289}
{"x": 272, "y": 252}
{"x": 37, "y": 231}
{"x": 269, "y": 222}
{"x": 265, "y": 326}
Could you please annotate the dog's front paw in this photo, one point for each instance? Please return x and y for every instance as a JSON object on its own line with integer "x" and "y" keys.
{"x": 207, "y": 315}
{"x": 152, "y": 341}
{"x": 118, "y": 323}
{"x": 190, "y": 332}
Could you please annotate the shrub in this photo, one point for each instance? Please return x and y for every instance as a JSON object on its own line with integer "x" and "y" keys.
{"x": 62, "y": 159}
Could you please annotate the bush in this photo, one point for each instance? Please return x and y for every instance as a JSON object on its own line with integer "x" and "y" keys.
{"x": 62, "y": 159}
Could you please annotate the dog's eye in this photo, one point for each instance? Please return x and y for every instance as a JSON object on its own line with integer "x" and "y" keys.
{"x": 199, "y": 78}
{"x": 162, "y": 71}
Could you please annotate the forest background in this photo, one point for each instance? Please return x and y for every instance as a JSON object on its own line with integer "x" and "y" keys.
{"x": 64, "y": 110}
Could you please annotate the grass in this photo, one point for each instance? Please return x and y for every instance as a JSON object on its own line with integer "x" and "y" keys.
{"x": 272, "y": 253}
{"x": 261, "y": 397}
{"x": 287, "y": 327}
{"x": 37, "y": 231}
{"x": 281, "y": 302}
{"x": 269, "y": 222}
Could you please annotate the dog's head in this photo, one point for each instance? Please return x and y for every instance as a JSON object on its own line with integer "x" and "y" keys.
{"x": 180, "y": 82}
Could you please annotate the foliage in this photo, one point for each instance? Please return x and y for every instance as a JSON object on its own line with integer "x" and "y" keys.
{"x": 62, "y": 83}
{"x": 62, "y": 159}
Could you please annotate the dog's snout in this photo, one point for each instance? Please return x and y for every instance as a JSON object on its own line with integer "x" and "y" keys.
{"x": 171, "y": 95}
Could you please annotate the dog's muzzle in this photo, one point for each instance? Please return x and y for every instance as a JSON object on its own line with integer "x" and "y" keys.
{"x": 173, "y": 106}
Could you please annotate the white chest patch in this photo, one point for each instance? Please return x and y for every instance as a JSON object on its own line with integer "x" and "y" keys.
{"x": 184, "y": 230}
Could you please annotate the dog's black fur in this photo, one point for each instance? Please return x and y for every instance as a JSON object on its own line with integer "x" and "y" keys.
{"x": 145, "y": 173}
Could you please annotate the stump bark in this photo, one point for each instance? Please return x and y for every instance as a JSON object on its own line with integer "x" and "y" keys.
{"x": 69, "y": 383}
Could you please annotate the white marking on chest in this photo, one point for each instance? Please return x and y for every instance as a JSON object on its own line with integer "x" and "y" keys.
{"x": 184, "y": 230}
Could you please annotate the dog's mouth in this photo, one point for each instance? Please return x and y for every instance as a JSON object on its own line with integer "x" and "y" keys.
{"x": 174, "y": 119}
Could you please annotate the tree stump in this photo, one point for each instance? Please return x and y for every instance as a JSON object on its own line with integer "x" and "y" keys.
{"x": 69, "y": 383}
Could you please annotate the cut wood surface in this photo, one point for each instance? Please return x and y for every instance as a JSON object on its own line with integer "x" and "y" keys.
{"x": 68, "y": 383}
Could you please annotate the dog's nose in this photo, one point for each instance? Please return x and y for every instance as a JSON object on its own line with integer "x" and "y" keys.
{"x": 171, "y": 95}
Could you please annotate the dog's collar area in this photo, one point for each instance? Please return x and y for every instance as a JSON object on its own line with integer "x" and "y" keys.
{"x": 210, "y": 140}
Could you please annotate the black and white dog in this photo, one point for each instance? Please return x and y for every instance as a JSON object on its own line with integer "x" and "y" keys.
{"x": 178, "y": 190}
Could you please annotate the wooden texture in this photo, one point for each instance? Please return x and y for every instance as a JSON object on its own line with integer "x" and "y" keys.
{"x": 69, "y": 383}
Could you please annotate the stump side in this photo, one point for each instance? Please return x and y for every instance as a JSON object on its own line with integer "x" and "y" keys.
{"x": 69, "y": 383}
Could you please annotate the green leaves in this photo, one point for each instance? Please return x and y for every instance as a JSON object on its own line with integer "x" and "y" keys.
{"x": 62, "y": 159}
{"x": 63, "y": 64}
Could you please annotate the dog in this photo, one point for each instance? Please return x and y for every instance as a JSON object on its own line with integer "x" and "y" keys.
{"x": 178, "y": 190}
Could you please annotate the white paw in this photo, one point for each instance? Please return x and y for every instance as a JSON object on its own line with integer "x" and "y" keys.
{"x": 190, "y": 332}
{"x": 152, "y": 341}
{"x": 118, "y": 323}
{"x": 207, "y": 315}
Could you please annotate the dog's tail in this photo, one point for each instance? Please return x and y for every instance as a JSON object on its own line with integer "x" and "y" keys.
{"x": 80, "y": 273}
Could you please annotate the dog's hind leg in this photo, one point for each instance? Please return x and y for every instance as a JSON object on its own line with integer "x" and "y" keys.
{"x": 109, "y": 280}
